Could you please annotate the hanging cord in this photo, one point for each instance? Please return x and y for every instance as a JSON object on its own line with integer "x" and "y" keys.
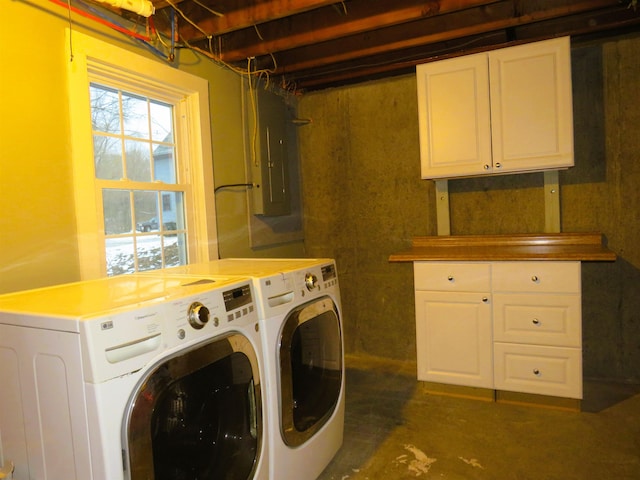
{"x": 183, "y": 15}
{"x": 70, "y": 31}
{"x": 254, "y": 113}
{"x": 206, "y": 7}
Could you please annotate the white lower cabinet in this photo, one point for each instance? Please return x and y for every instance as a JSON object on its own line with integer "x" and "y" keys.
{"x": 513, "y": 326}
{"x": 454, "y": 338}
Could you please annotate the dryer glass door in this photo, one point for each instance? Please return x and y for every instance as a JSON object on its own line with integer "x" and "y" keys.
{"x": 310, "y": 369}
{"x": 197, "y": 415}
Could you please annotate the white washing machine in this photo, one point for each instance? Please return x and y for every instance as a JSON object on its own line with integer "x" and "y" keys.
{"x": 133, "y": 377}
{"x": 300, "y": 314}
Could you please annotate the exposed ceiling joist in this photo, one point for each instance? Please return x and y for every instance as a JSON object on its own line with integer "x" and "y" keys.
{"x": 314, "y": 44}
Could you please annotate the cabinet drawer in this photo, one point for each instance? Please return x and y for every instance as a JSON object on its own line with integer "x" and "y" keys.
{"x": 555, "y": 371}
{"x": 548, "y": 277}
{"x": 447, "y": 276}
{"x": 538, "y": 319}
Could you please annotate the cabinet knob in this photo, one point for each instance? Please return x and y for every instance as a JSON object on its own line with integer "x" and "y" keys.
{"x": 535, "y": 321}
{"x": 536, "y": 371}
{"x": 486, "y": 167}
{"x": 535, "y": 278}
{"x": 485, "y": 299}
{"x": 498, "y": 165}
{"x": 450, "y": 278}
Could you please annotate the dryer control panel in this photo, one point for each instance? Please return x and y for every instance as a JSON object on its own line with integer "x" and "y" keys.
{"x": 118, "y": 343}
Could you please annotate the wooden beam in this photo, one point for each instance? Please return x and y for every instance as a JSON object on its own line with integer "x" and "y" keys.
{"x": 326, "y": 24}
{"x": 441, "y": 28}
{"x": 615, "y": 19}
{"x": 258, "y": 13}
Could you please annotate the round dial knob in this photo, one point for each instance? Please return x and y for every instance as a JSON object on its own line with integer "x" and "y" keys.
{"x": 310, "y": 281}
{"x": 198, "y": 315}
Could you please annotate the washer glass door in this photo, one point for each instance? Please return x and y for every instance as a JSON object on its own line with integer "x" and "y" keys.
{"x": 197, "y": 415}
{"x": 310, "y": 369}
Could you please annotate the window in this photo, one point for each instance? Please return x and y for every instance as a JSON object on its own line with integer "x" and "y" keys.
{"x": 143, "y": 176}
{"x": 134, "y": 153}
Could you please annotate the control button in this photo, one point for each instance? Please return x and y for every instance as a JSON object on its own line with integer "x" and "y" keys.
{"x": 198, "y": 315}
{"x": 310, "y": 281}
{"x": 181, "y": 334}
{"x": 230, "y": 317}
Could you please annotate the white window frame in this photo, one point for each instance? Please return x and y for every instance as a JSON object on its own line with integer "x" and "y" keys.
{"x": 92, "y": 60}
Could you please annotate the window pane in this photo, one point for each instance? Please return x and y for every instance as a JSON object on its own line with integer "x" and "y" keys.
{"x": 175, "y": 250}
{"x": 149, "y": 251}
{"x": 120, "y": 257}
{"x": 105, "y": 109}
{"x": 138, "y": 160}
{"x": 135, "y": 116}
{"x": 116, "y": 206}
{"x": 164, "y": 164}
{"x": 161, "y": 122}
{"x": 145, "y": 205}
{"x": 172, "y": 210}
{"x": 107, "y": 154}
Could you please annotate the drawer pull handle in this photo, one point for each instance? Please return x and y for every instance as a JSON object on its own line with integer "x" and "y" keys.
{"x": 535, "y": 279}
{"x": 536, "y": 371}
{"x": 450, "y": 278}
{"x": 535, "y": 321}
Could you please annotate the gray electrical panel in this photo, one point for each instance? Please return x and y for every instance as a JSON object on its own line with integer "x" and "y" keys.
{"x": 269, "y": 153}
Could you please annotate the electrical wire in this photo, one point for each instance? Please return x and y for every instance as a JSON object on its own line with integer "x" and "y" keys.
{"x": 70, "y": 31}
{"x": 183, "y": 15}
{"x": 146, "y": 39}
{"x": 145, "y": 43}
{"x": 206, "y": 7}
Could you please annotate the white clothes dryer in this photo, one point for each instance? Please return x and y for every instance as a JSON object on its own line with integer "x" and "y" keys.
{"x": 301, "y": 326}
{"x": 133, "y": 377}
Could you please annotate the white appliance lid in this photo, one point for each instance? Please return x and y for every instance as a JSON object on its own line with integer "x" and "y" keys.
{"x": 94, "y": 297}
{"x": 254, "y": 267}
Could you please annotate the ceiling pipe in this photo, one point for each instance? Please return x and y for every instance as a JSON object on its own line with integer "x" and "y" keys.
{"x": 142, "y": 7}
{"x": 64, "y": 4}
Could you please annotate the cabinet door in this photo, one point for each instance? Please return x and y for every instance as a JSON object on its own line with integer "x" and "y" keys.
{"x": 531, "y": 106}
{"x": 454, "y": 116}
{"x": 453, "y": 332}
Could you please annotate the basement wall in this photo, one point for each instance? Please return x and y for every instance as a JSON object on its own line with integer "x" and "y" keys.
{"x": 364, "y": 199}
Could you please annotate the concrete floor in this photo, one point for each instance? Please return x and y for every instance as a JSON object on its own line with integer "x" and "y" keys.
{"x": 395, "y": 430}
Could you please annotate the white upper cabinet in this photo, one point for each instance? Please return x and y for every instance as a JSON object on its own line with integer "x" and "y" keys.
{"x": 503, "y": 111}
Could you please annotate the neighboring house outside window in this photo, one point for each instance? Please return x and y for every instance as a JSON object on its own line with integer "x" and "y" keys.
{"x": 142, "y": 167}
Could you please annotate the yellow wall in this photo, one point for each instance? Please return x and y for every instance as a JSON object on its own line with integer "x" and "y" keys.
{"x": 37, "y": 225}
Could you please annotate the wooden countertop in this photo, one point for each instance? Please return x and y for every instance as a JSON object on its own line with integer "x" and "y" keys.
{"x": 518, "y": 247}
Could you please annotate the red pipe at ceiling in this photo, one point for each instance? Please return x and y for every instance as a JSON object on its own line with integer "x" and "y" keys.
{"x": 66, "y": 5}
